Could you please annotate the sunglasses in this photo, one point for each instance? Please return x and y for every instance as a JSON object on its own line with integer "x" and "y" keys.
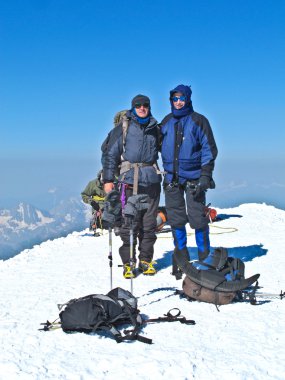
{"x": 139, "y": 105}
{"x": 181, "y": 98}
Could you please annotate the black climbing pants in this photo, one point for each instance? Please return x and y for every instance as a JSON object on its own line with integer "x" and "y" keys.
{"x": 144, "y": 226}
{"x": 180, "y": 212}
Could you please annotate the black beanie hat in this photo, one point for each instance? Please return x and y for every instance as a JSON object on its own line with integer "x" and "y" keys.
{"x": 140, "y": 99}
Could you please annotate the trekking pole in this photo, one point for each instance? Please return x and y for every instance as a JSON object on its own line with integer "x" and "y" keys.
{"x": 131, "y": 251}
{"x": 110, "y": 257}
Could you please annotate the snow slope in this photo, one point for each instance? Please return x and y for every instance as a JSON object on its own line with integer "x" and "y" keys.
{"x": 239, "y": 342}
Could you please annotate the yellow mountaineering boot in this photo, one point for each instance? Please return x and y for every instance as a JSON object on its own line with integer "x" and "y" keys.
{"x": 128, "y": 271}
{"x": 147, "y": 268}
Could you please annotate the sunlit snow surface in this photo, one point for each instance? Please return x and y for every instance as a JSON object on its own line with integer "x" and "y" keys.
{"x": 239, "y": 342}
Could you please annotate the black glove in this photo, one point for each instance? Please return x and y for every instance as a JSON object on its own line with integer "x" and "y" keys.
{"x": 95, "y": 205}
{"x": 203, "y": 184}
{"x": 112, "y": 209}
{"x": 114, "y": 198}
{"x": 136, "y": 203}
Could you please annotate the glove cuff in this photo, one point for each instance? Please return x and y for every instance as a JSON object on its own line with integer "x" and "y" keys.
{"x": 206, "y": 171}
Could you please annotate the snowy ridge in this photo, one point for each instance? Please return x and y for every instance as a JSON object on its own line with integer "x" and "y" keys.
{"x": 239, "y": 342}
{"x": 25, "y": 225}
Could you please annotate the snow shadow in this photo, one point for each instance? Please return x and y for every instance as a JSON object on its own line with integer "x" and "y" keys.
{"x": 246, "y": 253}
{"x": 227, "y": 216}
{"x": 165, "y": 261}
{"x": 161, "y": 294}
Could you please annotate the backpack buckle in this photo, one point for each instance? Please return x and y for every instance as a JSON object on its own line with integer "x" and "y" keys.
{"x": 172, "y": 314}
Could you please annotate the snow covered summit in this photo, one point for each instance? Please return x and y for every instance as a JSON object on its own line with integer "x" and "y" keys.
{"x": 239, "y": 342}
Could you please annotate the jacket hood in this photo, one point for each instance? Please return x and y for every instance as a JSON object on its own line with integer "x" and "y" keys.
{"x": 185, "y": 90}
{"x": 187, "y": 109}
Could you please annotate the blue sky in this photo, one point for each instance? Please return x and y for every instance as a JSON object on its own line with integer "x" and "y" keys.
{"x": 68, "y": 66}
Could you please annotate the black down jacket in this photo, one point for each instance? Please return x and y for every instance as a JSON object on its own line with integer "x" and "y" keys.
{"x": 141, "y": 146}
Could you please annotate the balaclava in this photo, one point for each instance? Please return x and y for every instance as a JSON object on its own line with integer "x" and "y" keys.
{"x": 188, "y": 108}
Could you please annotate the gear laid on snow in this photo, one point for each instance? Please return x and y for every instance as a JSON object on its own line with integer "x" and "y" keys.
{"x": 216, "y": 279}
{"x": 173, "y": 315}
{"x": 253, "y": 294}
{"x": 98, "y": 312}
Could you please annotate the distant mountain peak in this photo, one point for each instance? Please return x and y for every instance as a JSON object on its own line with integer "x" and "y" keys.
{"x": 25, "y": 225}
{"x": 28, "y": 214}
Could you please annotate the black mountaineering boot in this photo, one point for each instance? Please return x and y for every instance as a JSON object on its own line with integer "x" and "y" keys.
{"x": 176, "y": 271}
{"x": 202, "y": 255}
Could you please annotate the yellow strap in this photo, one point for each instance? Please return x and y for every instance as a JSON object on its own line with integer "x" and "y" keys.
{"x": 98, "y": 198}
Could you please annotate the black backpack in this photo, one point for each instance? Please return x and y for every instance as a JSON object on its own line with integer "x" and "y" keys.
{"x": 98, "y": 312}
{"x": 104, "y": 312}
{"x": 119, "y": 119}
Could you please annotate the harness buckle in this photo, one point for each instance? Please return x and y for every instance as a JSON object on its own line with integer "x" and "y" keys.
{"x": 191, "y": 186}
{"x": 172, "y": 184}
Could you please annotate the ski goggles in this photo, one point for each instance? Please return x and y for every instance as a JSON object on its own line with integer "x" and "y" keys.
{"x": 181, "y": 98}
{"x": 139, "y": 105}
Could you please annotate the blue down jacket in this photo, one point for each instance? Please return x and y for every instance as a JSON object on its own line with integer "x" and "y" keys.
{"x": 141, "y": 146}
{"x": 188, "y": 147}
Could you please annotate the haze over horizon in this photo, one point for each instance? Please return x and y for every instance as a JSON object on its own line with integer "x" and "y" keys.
{"x": 68, "y": 67}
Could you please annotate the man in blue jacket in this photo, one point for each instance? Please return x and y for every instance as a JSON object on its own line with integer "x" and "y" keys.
{"x": 188, "y": 153}
{"x": 134, "y": 150}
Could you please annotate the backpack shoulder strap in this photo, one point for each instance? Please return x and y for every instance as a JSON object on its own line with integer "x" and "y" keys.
{"x": 125, "y": 126}
{"x": 173, "y": 315}
{"x": 121, "y": 119}
{"x": 136, "y": 322}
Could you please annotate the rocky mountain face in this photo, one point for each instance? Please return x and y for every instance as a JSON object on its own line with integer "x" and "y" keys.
{"x": 23, "y": 226}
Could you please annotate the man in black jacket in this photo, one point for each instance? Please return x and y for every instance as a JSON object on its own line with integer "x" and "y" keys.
{"x": 132, "y": 146}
